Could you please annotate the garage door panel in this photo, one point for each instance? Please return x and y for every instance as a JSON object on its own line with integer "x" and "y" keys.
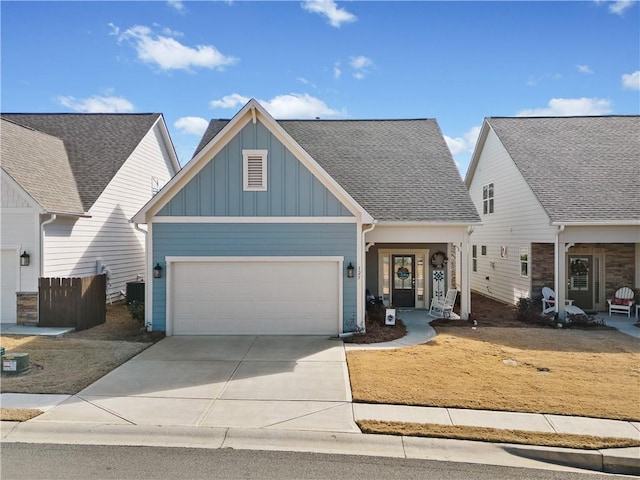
{"x": 256, "y": 297}
{"x": 8, "y": 285}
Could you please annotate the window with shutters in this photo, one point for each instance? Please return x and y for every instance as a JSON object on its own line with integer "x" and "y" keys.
{"x": 255, "y": 170}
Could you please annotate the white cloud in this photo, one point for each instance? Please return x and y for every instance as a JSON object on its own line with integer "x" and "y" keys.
{"x": 361, "y": 66}
{"x": 169, "y": 54}
{"x": 631, "y": 81}
{"x": 566, "y": 107}
{"x": 584, "y": 68}
{"x": 293, "y": 105}
{"x": 177, "y": 4}
{"x": 620, "y": 6}
{"x": 191, "y": 125}
{"x": 328, "y": 8}
{"x": 96, "y": 104}
{"x": 229, "y": 101}
{"x": 336, "y": 70}
{"x": 115, "y": 30}
{"x": 464, "y": 144}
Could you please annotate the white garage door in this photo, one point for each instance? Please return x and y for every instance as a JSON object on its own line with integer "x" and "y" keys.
{"x": 256, "y": 296}
{"x": 8, "y": 285}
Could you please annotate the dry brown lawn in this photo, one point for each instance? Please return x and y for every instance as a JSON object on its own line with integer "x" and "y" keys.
{"x": 494, "y": 435}
{"x": 68, "y": 364}
{"x": 592, "y": 373}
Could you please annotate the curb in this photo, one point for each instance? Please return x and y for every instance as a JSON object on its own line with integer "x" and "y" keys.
{"x": 621, "y": 461}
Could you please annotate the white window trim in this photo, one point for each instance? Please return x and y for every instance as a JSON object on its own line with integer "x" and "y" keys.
{"x": 246, "y": 154}
{"x": 524, "y": 251}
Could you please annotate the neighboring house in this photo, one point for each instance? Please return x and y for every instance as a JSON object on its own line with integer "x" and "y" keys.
{"x": 70, "y": 184}
{"x": 560, "y": 205}
{"x": 280, "y": 227}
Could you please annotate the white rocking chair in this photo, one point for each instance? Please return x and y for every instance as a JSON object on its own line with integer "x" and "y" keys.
{"x": 622, "y": 301}
{"x": 549, "y": 301}
{"x": 442, "y": 307}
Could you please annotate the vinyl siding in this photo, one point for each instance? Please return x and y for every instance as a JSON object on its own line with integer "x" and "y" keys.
{"x": 73, "y": 246}
{"x": 217, "y": 189}
{"x": 294, "y": 239}
{"x": 518, "y": 220}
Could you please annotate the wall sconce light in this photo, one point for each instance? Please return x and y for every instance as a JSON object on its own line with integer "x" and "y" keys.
{"x": 350, "y": 270}
{"x": 157, "y": 271}
{"x": 25, "y": 259}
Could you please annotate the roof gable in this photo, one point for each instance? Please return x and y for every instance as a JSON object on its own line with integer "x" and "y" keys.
{"x": 581, "y": 169}
{"x": 398, "y": 170}
{"x": 38, "y": 163}
{"x": 97, "y": 145}
{"x": 208, "y": 149}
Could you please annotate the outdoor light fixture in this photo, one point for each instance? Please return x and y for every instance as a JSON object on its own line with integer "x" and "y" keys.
{"x": 350, "y": 270}
{"x": 25, "y": 259}
{"x": 157, "y": 271}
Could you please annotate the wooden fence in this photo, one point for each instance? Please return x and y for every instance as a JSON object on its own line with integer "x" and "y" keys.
{"x": 72, "y": 302}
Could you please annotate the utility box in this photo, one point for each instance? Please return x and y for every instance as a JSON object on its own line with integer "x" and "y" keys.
{"x": 135, "y": 292}
{"x": 15, "y": 363}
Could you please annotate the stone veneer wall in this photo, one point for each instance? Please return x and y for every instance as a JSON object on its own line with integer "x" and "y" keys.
{"x": 27, "y": 308}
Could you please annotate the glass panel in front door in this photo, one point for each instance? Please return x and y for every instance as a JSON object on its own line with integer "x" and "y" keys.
{"x": 403, "y": 280}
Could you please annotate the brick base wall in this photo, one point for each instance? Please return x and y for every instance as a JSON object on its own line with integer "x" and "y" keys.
{"x": 542, "y": 268}
{"x": 27, "y": 308}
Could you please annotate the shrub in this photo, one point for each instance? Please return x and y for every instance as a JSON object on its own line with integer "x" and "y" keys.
{"x": 136, "y": 309}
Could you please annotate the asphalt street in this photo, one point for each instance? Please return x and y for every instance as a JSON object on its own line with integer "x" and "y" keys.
{"x": 69, "y": 462}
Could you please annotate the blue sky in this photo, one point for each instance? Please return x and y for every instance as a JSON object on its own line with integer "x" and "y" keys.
{"x": 457, "y": 62}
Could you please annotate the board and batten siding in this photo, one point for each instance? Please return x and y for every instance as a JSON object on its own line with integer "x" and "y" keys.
{"x": 253, "y": 240}
{"x": 217, "y": 189}
{"x": 518, "y": 220}
{"x": 19, "y": 230}
{"x": 72, "y": 246}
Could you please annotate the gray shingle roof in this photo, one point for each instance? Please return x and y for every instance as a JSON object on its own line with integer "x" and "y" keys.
{"x": 97, "y": 144}
{"x": 38, "y": 162}
{"x": 581, "y": 169}
{"x": 398, "y": 170}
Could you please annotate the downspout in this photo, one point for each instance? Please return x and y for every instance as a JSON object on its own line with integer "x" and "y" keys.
{"x": 362, "y": 276}
{"x": 363, "y": 262}
{"x": 42, "y": 225}
{"x": 465, "y": 282}
{"x": 556, "y": 267}
{"x": 147, "y": 323}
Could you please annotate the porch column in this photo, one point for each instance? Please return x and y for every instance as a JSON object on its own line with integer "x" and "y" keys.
{"x": 465, "y": 280}
{"x": 560, "y": 284}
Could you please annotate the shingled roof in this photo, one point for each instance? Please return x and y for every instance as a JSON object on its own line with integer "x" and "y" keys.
{"x": 97, "y": 145}
{"x": 397, "y": 170}
{"x": 38, "y": 162}
{"x": 581, "y": 169}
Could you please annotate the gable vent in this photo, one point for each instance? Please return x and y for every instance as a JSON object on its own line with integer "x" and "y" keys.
{"x": 255, "y": 170}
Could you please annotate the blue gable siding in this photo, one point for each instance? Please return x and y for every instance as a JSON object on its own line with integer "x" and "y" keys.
{"x": 217, "y": 190}
{"x": 263, "y": 239}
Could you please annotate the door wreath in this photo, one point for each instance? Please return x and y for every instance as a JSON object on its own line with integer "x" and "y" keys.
{"x": 439, "y": 260}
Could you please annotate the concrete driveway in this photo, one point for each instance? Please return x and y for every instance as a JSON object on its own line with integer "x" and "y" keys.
{"x": 273, "y": 382}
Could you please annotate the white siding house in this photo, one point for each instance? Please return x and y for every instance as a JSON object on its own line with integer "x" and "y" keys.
{"x": 70, "y": 184}
{"x": 553, "y": 193}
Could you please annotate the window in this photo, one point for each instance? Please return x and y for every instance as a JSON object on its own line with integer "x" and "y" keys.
{"x": 255, "y": 170}
{"x": 474, "y": 258}
{"x": 483, "y": 249}
{"x": 487, "y": 198}
{"x": 524, "y": 262}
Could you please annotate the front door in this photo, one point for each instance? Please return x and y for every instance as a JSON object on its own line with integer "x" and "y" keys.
{"x": 404, "y": 280}
{"x": 581, "y": 275}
